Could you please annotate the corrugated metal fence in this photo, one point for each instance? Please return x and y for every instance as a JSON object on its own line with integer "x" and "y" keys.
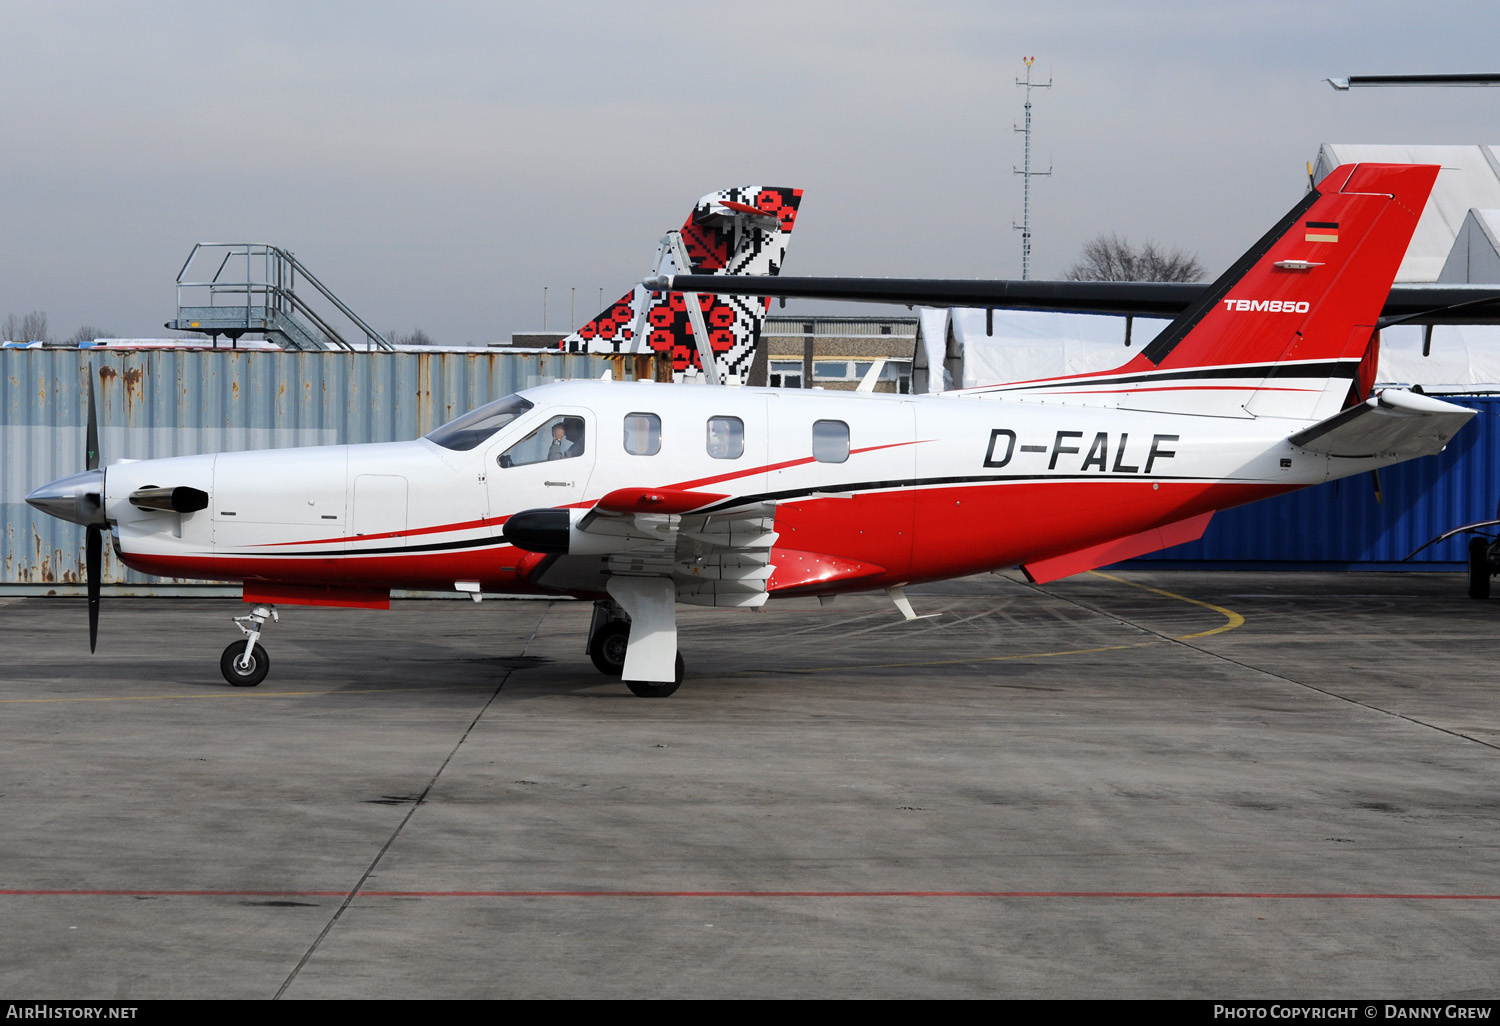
{"x": 155, "y": 403}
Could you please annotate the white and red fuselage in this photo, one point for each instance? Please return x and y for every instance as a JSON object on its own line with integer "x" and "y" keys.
{"x": 931, "y": 487}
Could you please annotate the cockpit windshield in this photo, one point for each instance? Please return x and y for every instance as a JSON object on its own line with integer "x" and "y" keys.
{"x": 475, "y": 426}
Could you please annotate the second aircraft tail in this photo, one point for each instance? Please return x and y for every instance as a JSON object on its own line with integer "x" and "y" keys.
{"x": 733, "y": 231}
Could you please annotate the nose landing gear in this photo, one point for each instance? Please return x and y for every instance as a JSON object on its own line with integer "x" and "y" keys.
{"x": 242, "y": 664}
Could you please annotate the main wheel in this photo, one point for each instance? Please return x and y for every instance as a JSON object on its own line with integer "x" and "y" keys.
{"x": 607, "y": 647}
{"x": 1479, "y": 568}
{"x": 657, "y": 689}
{"x": 229, "y": 665}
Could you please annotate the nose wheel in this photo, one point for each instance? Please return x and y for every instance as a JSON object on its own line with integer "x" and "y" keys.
{"x": 244, "y": 676}
{"x": 243, "y": 664}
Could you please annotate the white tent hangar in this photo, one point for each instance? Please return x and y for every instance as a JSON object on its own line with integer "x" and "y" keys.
{"x": 1470, "y": 179}
{"x": 1475, "y": 256}
{"x": 1457, "y": 241}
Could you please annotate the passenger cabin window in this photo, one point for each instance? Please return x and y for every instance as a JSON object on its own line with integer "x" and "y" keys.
{"x": 642, "y": 434}
{"x": 560, "y": 438}
{"x": 475, "y": 426}
{"x": 830, "y": 441}
{"x": 726, "y": 438}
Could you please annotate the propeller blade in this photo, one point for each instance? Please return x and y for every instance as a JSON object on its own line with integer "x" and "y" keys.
{"x": 91, "y": 445}
{"x": 94, "y": 556}
{"x": 94, "y": 539}
{"x": 1375, "y": 476}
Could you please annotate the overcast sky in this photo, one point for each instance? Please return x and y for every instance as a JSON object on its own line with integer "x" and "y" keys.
{"x": 438, "y": 164}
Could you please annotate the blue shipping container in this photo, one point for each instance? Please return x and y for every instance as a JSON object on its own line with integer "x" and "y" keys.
{"x": 1341, "y": 526}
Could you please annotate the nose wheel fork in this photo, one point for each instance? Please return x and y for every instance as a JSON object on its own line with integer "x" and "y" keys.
{"x": 243, "y": 664}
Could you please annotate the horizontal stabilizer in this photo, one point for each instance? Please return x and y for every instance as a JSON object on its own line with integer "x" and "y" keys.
{"x": 1394, "y": 424}
{"x": 1105, "y": 553}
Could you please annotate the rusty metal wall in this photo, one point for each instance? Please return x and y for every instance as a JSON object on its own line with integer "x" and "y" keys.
{"x": 155, "y": 403}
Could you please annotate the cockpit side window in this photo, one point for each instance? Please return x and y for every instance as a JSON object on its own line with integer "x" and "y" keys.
{"x": 475, "y": 426}
{"x": 560, "y": 438}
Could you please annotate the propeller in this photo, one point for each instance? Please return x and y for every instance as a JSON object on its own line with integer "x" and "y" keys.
{"x": 94, "y": 539}
{"x": 79, "y": 499}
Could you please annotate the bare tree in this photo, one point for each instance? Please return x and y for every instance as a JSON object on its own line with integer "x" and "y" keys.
{"x": 88, "y": 333}
{"x": 1111, "y": 258}
{"x": 418, "y": 337}
{"x": 31, "y": 328}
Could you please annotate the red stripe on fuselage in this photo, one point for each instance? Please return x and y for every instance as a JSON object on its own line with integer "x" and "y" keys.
{"x": 917, "y": 534}
{"x": 1170, "y": 388}
{"x": 800, "y": 462}
{"x": 470, "y": 525}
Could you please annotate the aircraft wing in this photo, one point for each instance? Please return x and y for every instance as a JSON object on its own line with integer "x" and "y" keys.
{"x": 714, "y": 556}
{"x": 1406, "y": 304}
{"x": 1394, "y": 424}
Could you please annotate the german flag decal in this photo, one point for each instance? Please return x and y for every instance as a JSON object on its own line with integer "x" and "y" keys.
{"x": 1322, "y": 231}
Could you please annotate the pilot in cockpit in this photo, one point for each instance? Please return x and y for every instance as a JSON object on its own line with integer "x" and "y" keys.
{"x": 558, "y": 449}
{"x": 572, "y": 429}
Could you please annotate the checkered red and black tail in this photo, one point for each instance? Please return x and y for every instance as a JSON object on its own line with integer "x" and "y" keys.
{"x": 733, "y": 231}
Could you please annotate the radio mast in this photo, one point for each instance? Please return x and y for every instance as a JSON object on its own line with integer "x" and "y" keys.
{"x": 1025, "y": 171}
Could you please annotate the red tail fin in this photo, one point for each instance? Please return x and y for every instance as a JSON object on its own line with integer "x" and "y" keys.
{"x": 1313, "y": 287}
{"x": 1284, "y": 331}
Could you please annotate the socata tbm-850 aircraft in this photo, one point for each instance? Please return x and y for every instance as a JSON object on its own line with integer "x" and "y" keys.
{"x": 639, "y": 496}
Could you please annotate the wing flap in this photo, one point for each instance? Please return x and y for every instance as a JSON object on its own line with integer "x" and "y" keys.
{"x": 721, "y": 558}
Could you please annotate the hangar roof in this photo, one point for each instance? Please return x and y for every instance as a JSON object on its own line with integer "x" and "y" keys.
{"x": 1470, "y": 178}
{"x": 1476, "y": 254}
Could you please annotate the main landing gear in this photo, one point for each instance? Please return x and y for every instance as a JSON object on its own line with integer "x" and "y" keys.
{"x": 609, "y": 636}
{"x": 242, "y": 664}
{"x": 1481, "y": 566}
{"x": 609, "y": 643}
